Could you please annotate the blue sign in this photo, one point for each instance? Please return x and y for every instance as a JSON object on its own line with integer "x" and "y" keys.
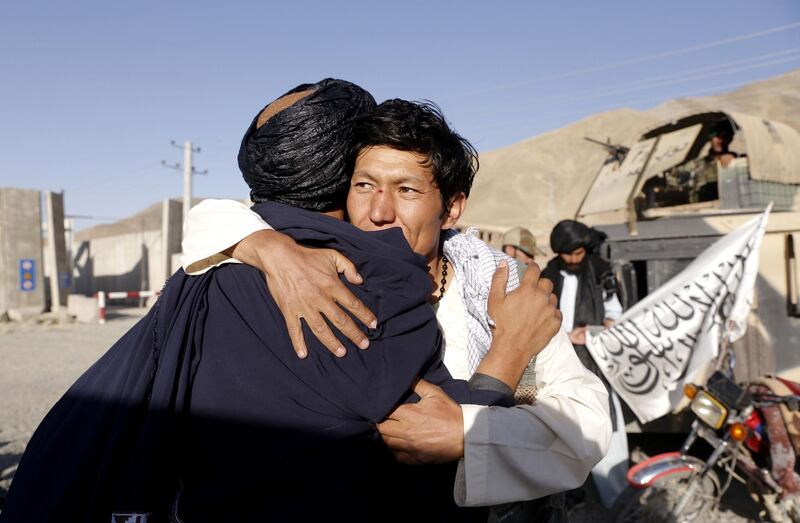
{"x": 27, "y": 275}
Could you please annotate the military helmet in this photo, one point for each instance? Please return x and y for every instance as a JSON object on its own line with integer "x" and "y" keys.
{"x": 523, "y": 240}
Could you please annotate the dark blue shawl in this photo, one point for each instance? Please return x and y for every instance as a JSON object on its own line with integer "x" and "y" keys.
{"x": 205, "y": 402}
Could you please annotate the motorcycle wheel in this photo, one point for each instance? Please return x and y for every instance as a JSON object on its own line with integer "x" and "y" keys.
{"x": 657, "y": 503}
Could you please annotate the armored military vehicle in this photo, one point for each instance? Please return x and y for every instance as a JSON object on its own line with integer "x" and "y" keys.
{"x": 682, "y": 186}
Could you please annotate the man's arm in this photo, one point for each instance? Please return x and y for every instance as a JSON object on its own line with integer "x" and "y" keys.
{"x": 525, "y": 320}
{"x": 530, "y": 451}
{"x": 517, "y": 453}
{"x": 304, "y": 282}
{"x": 565, "y": 433}
{"x": 432, "y": 430}
{"x": 211, "y": 227}
{"x": 512, "y": 453}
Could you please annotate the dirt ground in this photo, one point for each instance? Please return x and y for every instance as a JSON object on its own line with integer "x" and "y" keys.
{"x": 41, "y": 361}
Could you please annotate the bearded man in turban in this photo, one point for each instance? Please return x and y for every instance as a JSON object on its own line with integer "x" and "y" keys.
{"x": 587, "y": 296}
{"x": 582, "y": 279}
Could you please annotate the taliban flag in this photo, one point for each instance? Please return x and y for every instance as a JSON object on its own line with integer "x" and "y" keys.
{"x": 658, "y": 344}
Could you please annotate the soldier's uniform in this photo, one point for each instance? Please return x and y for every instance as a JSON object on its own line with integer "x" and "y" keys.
{"x": 696, "y": 177}
{"x": 704, "y": 179}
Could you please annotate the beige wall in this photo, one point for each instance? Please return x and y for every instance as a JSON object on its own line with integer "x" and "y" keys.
{"x": 127, "y": 262}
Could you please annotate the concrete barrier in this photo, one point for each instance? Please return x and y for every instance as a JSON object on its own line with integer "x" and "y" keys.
{"x": 84, "y": 308}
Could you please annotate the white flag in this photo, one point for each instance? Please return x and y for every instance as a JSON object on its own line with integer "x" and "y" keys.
{"x": 658, "y": 344}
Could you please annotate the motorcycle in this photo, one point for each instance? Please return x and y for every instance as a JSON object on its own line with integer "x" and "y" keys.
{"x": 747, "y": 431}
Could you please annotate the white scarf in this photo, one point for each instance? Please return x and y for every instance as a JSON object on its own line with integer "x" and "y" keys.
{"x": 474, "y": 263}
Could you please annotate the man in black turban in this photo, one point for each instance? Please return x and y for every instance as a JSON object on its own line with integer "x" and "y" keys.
{"x": 203, "y": 412}
{"x": 575, "y": 245}
{"x": 300, "y": 158}
{"x": 587, "y": 295}
{"x": 584, "y": 284}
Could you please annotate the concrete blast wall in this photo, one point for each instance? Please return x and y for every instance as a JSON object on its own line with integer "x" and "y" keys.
{"x": 130, "y": 261}
{"x": 127, "y": 262}
{"x": 21, "y": 279}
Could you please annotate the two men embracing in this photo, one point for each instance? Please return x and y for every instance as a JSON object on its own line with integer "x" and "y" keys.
{"x": 204, "y": 412}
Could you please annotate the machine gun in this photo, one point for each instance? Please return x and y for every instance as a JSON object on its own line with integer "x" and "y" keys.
{"x": 616, "y": 152}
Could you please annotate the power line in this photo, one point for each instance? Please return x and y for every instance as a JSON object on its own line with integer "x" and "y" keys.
{"x": 706, "y": 69}
{"x": 788, "y": 55}
{"x": 712, "y": 74}
{"x": 497, "y": 127}
{"x": 684, "y": 79}
{"x": 709, "y": 91}
{"x": 714, "y": 91}
{"x": 632, "y": 61}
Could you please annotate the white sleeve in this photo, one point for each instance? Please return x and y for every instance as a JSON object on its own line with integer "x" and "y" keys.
{"x": 612, "y": 307}
{"x": 530, "y": 451}
{"x": 211, "y": 227}
{"x": 566, "y": 302}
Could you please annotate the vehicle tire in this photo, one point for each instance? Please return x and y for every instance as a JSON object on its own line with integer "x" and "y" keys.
{"x": 657, "y": 503}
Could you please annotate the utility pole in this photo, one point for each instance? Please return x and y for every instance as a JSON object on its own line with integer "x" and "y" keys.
{"x": 188, "y": 171}
{"x": 187, "y": 177}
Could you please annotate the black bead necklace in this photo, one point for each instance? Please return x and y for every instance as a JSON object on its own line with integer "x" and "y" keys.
{"x": 444, "y": 277}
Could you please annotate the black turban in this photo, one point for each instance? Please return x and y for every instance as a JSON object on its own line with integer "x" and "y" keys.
{"x": 299, "y": 156}
{"x": 569, "y": 235}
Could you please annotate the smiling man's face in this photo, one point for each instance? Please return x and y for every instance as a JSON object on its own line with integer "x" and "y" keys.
{"x": 393, "y": 188}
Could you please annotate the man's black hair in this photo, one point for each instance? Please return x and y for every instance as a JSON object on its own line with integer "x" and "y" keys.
{"x": 420, "y": 127}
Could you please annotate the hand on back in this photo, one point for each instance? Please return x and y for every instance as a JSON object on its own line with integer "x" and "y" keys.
{"x": 305, "y": 284}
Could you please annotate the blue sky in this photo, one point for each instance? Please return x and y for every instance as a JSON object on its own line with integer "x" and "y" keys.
{"x": 91, "y": 93}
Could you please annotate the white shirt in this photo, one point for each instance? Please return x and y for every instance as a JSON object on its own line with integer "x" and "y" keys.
{"x": 452, "y": 321}
{"x": 213, "y": 226}
{"x": 569, "y": 293}
{"x": 510, "y": 454}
